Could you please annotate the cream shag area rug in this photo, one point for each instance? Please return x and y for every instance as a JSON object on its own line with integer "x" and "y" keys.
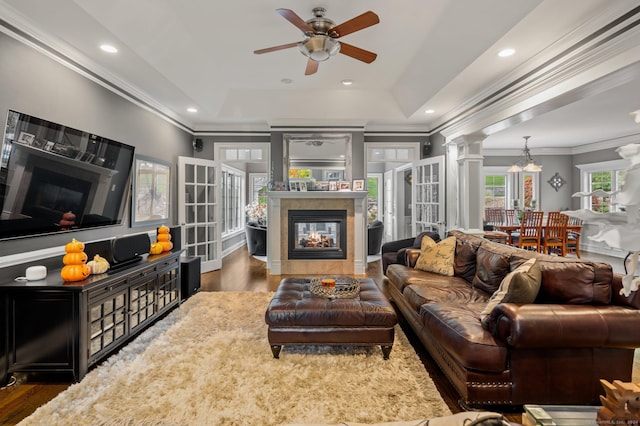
{"x": 209, "y": 363}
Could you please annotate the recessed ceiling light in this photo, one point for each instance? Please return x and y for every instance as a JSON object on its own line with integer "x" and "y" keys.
{"x": 429, "y": 111}
{"x": 286, "y": 81}
{"x": 347, "y": 82}
{"x": 506, "y": 52}
{"x": 192, "y": 109}
{"x": 108, "y": 48}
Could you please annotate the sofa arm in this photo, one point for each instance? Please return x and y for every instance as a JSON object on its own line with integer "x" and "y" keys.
{"x": 565, "y": 326}
{"x": 396, "y": 245}
{"x": 411, "y": 256}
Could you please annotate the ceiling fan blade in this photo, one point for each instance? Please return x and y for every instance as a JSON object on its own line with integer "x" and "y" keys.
{"x": 292, "y": 17}
{"x": 312, "y": 67}
{"x": 274, "y": 48}
{"x": 358, "y": 23}
{"x": 357, "y": 53}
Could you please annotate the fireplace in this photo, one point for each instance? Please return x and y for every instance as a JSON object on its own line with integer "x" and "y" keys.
{"x": 317, "y": 234}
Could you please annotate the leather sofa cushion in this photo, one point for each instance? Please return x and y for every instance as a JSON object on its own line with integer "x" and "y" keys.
{"x": 439, "y": 288}
{"x": 402, "y": 276}
{"x": 492, "y": 265}
{"x": 457, "y": 329}
{"x": 574, "y": 282}
{"x": 464, "y": 264}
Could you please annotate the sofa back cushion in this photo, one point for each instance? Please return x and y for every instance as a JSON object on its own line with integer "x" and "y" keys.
{"x": 574, "y": 282}
{"x": 464, "y": 264}
{"x": 492, "y": 265}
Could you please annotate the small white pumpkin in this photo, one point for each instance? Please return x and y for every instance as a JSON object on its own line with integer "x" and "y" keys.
{"x": 99, "y": 265}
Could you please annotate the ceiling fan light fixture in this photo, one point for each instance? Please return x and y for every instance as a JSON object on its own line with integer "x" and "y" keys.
{"x": 319, "y": 47}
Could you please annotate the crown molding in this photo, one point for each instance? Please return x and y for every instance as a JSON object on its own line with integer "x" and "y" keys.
{"x": 604, "y": 44}
{"x": 582, "y": 149}
{"x": 15, "y": 26}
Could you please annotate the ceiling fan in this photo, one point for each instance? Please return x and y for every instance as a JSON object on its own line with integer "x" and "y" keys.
{"x": 321, "y": 34}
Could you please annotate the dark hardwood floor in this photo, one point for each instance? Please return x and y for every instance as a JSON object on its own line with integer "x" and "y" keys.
{"x": 240, "y": 272}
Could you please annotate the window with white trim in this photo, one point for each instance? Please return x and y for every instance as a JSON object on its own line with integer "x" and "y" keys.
{"x": 498, "y": 188}
{"x": 607, "y": 176}
{"x": 233, "y": 187}
{"x": 258, "y": 187}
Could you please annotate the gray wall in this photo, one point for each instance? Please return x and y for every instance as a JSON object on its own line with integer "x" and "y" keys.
{"x": 32, "y": 83}
{"x": 549, "y": 200}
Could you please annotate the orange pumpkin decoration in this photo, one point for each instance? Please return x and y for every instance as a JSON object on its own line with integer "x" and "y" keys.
{"x": 75, "y": 258}
{"x": 164, "y": 237}
{"x": 75, "y": 262}
{"x": 75, "y": 272}
{"x": 74, "y": 246}
{"x": 156, "y": 248}
{"x": 166, "y": 245}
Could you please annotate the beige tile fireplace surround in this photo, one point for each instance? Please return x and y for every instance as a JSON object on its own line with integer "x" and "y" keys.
{"x": 281, "y": 202}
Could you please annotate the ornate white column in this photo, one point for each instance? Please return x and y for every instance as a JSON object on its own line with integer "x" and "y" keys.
{"x": 466, "y": 183}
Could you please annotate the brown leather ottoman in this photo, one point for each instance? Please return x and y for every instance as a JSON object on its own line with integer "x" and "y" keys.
{"x": 296, "y": 317}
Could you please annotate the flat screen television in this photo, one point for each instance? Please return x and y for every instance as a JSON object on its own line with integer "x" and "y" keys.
{"x": 54, "y": 178}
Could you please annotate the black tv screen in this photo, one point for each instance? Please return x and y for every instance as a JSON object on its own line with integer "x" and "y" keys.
{"x": 54, "y": 178}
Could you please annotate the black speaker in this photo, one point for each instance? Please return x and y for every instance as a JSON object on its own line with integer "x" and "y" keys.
{"x": 130, "y": 247}
{"x": 103, "y": 248}
{"x": 176, "y": 237}
{"x": 189, "y": 276}
{"x": 197, "y": 144}
{"x": 426, "y": 149}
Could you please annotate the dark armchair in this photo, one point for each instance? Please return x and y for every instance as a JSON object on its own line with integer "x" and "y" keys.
{"x": 375, "y": 232}
{"x": 394, "y": 251}
{"x": 256, "y": 239}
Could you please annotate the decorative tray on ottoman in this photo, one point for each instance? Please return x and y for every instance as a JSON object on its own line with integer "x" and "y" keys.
{"x": 335, "y": 287}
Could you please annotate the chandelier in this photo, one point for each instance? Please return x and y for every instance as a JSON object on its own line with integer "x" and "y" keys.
{"x": 525, "y": 163}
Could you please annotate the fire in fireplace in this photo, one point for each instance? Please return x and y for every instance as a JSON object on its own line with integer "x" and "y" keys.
{"x": 317, "y": 234}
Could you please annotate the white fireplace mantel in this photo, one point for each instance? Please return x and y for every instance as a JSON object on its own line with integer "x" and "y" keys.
{"x": 277, "y": 256}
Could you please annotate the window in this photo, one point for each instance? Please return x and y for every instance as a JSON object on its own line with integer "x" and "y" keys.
{"x": 499, "y": 188}
{"x": 233, "y": 185}
{"x": 258, "y": 187}
{"x": 495, "y": 191}
{"x": 606, "y": 181}
{"x": 529, "y": 199}
{"x": 374, "y": 197}
{"x": 607, "y": 176}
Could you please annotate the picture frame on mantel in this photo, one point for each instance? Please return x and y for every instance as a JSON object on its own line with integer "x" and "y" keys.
{"x": 151, "y": 194}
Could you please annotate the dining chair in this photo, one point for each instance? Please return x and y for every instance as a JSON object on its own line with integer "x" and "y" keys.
{"x": 555, "y": 233}
{"x": 494, "y": 218}
{"x": 511, "y": 217}
{"x": 574, "y": 228}
{"x": 530, "y": 234}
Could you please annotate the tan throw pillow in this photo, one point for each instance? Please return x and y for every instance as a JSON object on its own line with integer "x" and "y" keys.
{"x": 519, "y": 286}
{"x": 437, "y": 257}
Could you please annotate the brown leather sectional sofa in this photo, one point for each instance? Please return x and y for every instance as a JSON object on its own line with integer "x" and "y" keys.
{"x": 553, "y": 351}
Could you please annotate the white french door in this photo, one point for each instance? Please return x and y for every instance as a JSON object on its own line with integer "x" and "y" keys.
{"x": 199, "y": 210}
{"x": 428, "y": 195}
{"x": 389, "y": 207}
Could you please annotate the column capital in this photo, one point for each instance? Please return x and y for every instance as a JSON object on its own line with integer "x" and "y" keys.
{"x": 468, "y": 147}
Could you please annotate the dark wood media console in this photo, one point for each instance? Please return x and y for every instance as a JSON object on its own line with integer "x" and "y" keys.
{"x": 53, "y": 326}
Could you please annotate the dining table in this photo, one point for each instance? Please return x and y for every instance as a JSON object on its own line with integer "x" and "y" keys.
{"x": 509, "y": 229}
